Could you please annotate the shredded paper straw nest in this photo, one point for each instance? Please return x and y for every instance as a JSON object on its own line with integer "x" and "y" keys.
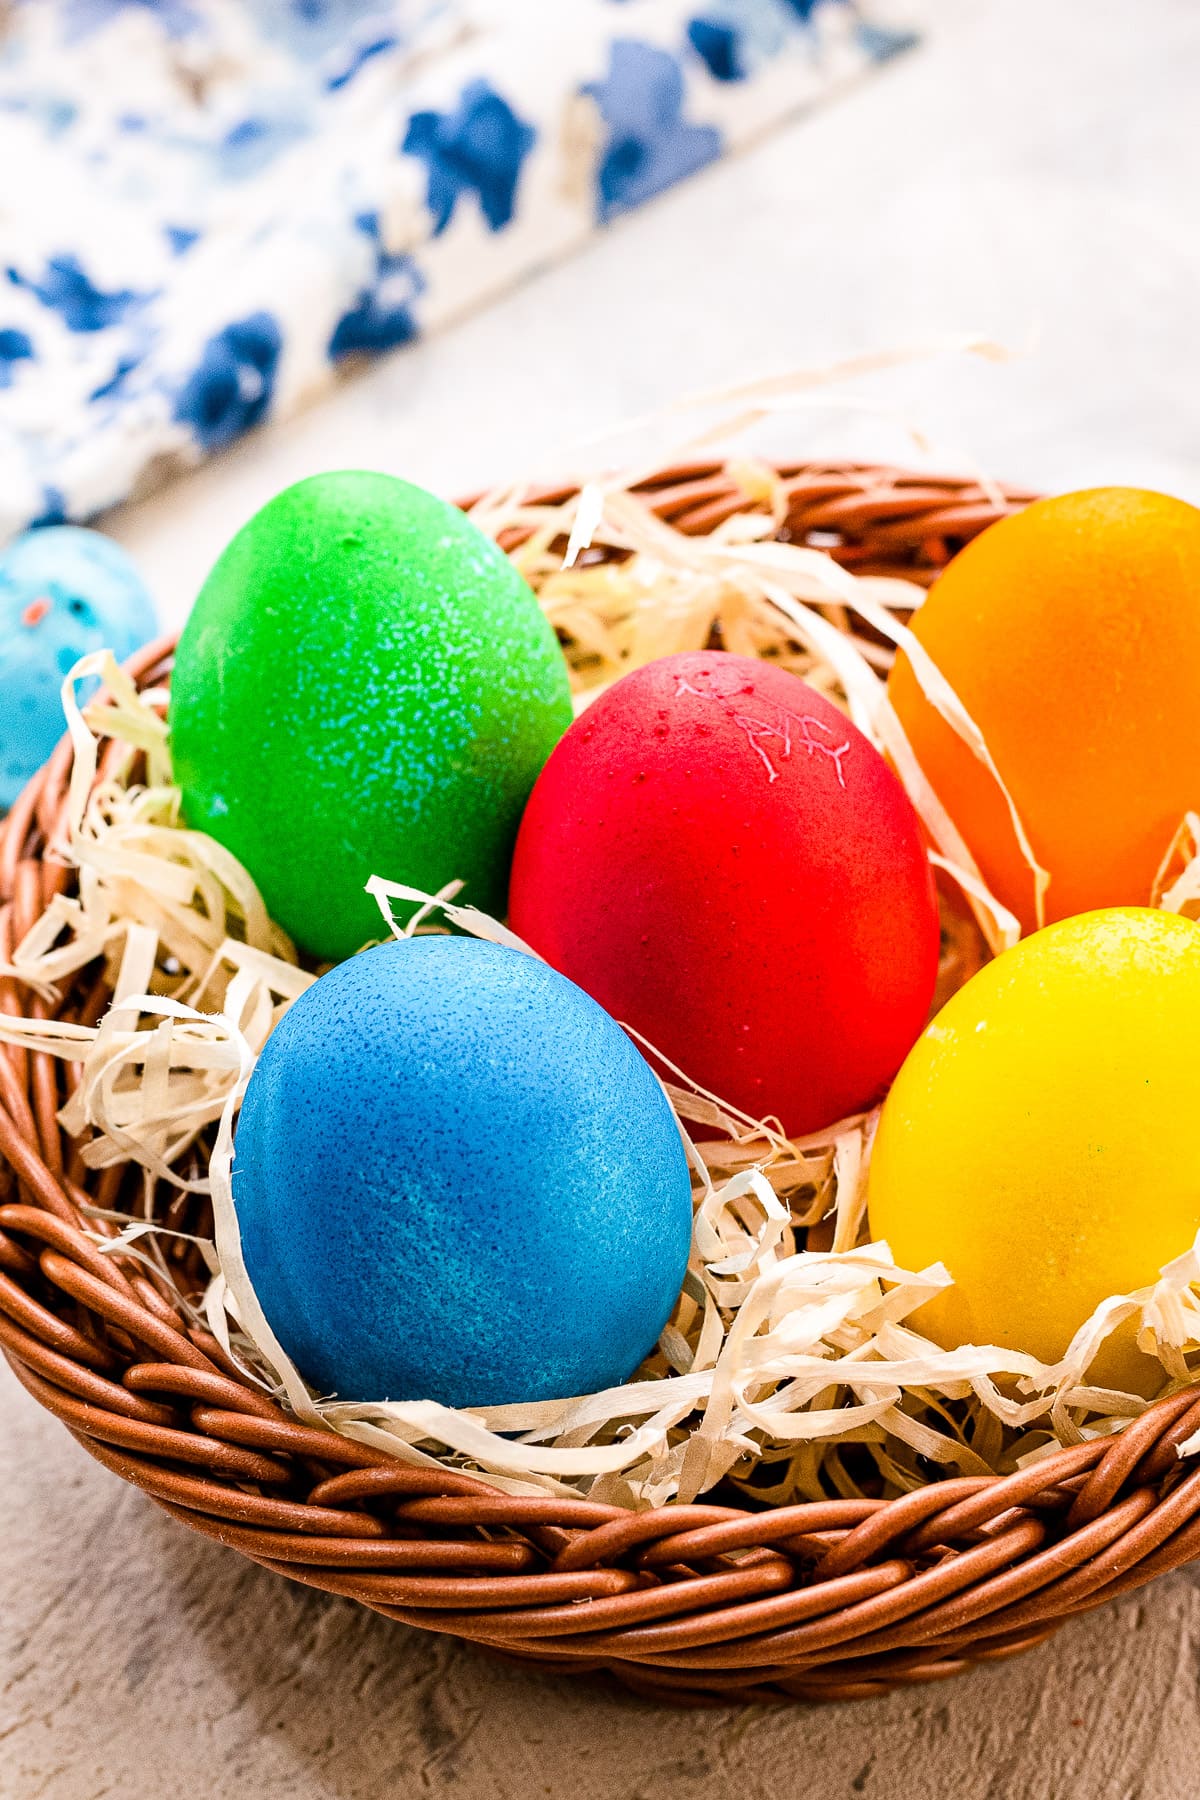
{"x": 789, "y": 1369}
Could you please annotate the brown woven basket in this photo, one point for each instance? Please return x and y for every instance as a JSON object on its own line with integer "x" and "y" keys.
{"x": 698, "y": 1603}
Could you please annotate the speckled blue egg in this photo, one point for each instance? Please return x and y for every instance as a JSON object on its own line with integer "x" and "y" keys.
{"x": 456, "y": 1179}
{"x": 64, "y": 591}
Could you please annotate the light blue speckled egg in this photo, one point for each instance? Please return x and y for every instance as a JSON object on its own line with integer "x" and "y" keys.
{"x": 456, "y": 1179}
{"x": 64, "y": 591}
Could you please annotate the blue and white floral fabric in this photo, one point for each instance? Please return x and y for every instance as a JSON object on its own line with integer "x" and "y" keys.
{"x": 208, "y": 206}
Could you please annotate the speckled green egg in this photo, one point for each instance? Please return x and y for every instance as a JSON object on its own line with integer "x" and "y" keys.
{"x": 366, "y": 686}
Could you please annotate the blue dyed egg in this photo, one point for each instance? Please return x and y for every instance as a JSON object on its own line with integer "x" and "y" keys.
{"x": 456, "y": 1179}
{"x": 64, "y": 591}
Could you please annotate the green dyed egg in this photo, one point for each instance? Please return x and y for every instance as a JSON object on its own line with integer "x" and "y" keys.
{"x": 366, "y": 686}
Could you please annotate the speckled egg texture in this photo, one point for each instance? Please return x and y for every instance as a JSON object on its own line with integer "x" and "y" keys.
{"x": 457, "y": 1180}
{"x": 366, "y": 686}
{"x": 64, "y": 591}
{"x": 720, "y": 858}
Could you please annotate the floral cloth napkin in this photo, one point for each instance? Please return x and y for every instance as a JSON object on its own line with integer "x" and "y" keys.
{"x": 207, "y": 207}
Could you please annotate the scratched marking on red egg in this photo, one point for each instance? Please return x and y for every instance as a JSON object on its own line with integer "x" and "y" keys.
{"x": 759, "y": 730}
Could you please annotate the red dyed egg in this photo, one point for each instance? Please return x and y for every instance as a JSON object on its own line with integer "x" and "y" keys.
{"x": 722, "y": 860}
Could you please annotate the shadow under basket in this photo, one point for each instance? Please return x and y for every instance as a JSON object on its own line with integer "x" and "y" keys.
{"x": 691, "y": 1603}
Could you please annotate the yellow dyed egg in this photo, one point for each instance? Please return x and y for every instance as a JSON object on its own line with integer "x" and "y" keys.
{"x": 1041, "y": 1137}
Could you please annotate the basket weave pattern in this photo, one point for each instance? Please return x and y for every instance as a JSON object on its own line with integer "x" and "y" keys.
{"x": 832, "y": 1600}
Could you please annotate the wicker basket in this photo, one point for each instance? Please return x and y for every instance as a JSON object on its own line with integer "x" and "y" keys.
{"x": 696, "y": 1603}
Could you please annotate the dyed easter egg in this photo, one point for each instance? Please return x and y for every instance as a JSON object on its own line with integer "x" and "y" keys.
{"x": 1071, "y": 633}
{"x": 1040, "y": 1139}
{"x": 64, "y": 591}
{"x": 457, "y": 1180}
{"x": 366, "y": 686}
{"x": 720, "y": 858}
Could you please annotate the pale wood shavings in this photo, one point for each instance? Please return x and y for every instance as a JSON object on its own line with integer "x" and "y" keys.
{"x": 790, "y": 1367}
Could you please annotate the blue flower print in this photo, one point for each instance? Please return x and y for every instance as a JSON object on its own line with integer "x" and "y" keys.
{"x": 718, "y": 45}
{"x": 53, "y": 509}
{"x": 308, "y": 31}
{"x": 735, "y": 37}
{"x": 360, "y": 56}
{"x": 880, "y": 42}
{"x": 382, "y": 315}
{"x": 223, "y": 255}
{"x": 180, "y": 238}
{"x": 230, "y": 389}
{"x": 15, "y": 346}
{"x": 82, "y": 17}
{"x": 115, "y": 383}
{"x": 66, "y": 288}
{"x": 477, "y": 150}
{"x": 253, "y": 144}
{"x": 650, "y": 146}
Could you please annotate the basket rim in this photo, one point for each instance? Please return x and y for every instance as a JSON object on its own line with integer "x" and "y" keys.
{"x": 692, "y": 1602}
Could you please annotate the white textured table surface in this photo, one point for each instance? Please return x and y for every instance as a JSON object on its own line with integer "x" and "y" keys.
{"x": 1032, "y": 174}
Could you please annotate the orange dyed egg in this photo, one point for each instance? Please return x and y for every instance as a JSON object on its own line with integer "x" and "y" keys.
{"x": 1071, "y": 633}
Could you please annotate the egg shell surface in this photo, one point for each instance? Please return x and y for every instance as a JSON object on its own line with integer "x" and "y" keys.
{"x": 64, "y": 592}
{"x": 1071, "y": 633}
{"x": 457, "y": 1180}
{"x": 1040, "y": 1139}
{"x": 366, "y": 686}
{"x": 720, "y": 858}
